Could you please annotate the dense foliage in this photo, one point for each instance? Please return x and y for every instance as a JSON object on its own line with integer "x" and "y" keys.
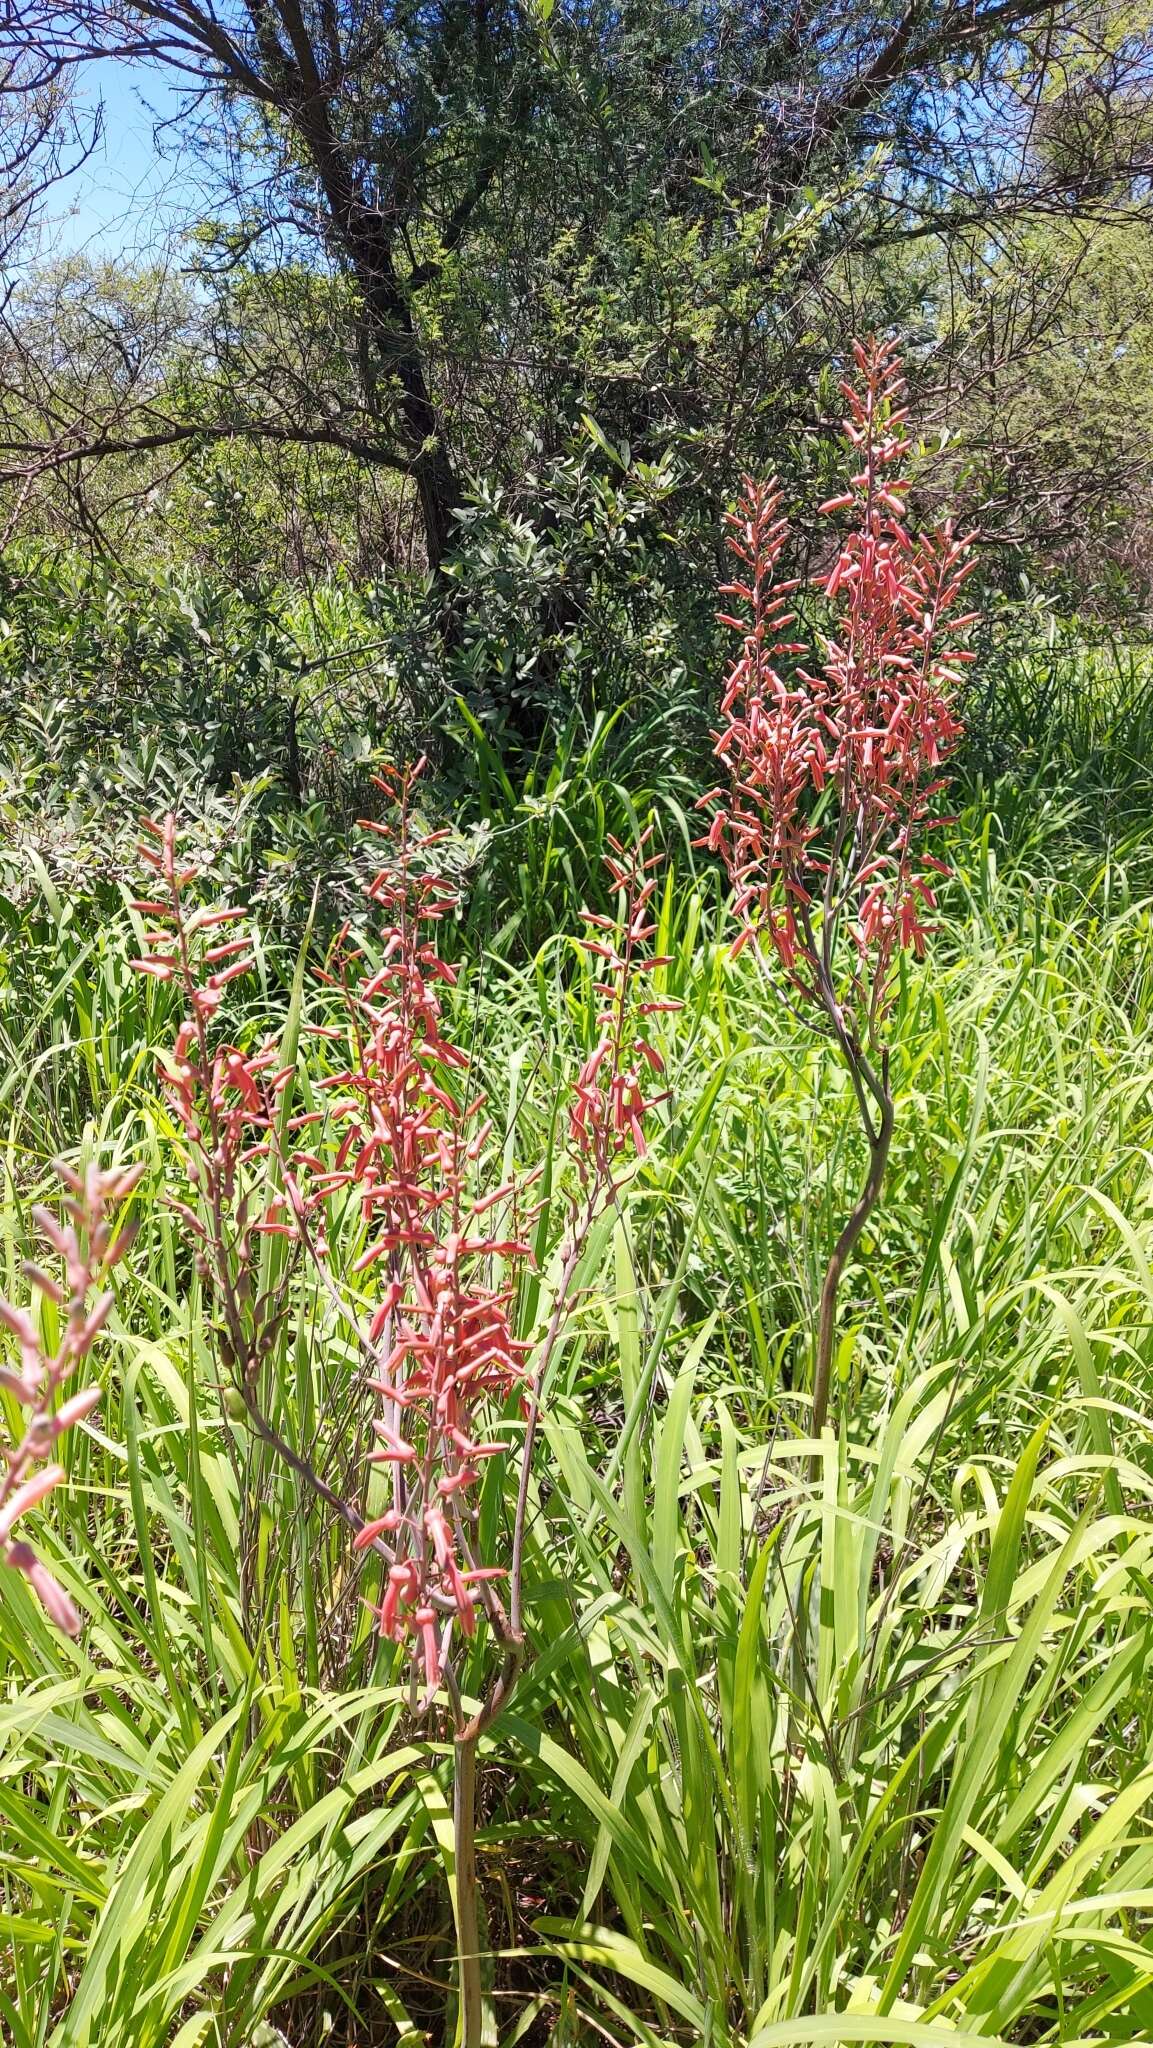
{"x": 212, "y": 1837}
{"x": 225, "y": 1824}
{"x": 576, "y": 1319}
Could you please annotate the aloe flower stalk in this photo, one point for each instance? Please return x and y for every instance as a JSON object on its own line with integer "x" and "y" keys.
{"x": 834, "y": 764}
{"x": 88, "y": 1247}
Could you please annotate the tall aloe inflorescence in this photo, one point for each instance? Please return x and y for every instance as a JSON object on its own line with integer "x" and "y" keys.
{"x": 88, "y": 1246}
{"x": 611, "y": 1097}
{"x": 414, "y": 1153}
{"x": 834, "y": 756}
{"x": 400, "y": 1165}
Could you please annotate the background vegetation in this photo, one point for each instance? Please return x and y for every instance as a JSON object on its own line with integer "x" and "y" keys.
{"x": 419, "y": 440}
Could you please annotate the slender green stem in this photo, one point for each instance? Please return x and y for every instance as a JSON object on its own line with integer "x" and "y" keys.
{"x": 467, "y": 1914}
{"x": 880, "y": 1138}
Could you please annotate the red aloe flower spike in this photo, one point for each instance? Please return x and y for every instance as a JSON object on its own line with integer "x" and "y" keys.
{"x": 89, "y": 1251}
{"x": 440, "y": 1334}
{"x": 609, "y": 1104}
{"x": 833, "y": 767}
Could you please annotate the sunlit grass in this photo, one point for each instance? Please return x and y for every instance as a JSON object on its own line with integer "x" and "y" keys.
{"x": 919, "y": 1813}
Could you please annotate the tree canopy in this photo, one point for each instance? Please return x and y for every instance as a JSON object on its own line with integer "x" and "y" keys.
{"x": 442, "y": 234}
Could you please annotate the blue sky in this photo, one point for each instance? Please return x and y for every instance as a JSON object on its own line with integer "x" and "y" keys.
{"x": 133, "y": 187}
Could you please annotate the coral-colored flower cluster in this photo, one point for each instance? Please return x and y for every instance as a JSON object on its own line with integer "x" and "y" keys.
{"x": 88, "y": 1246}
{"x": 834, "y": 766}
{"x": 407, "y": 1150}
{"x": 401, "y": 1156}
{"x": 224, "y": 1099}
{"x": 611, "y": 1095}
{"x": 412, "y": 1144}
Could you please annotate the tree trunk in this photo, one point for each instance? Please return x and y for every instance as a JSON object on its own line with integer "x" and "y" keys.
{"x": 439, "y": 495}
{"x": 396, "y": 352}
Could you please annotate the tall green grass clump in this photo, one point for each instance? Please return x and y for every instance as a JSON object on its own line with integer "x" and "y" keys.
{"x": 612, "y": 1514}
{"x": 221, "y": 1818}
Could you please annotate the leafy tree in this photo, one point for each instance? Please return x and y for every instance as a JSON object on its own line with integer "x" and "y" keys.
{"x": 521, "y": 211}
